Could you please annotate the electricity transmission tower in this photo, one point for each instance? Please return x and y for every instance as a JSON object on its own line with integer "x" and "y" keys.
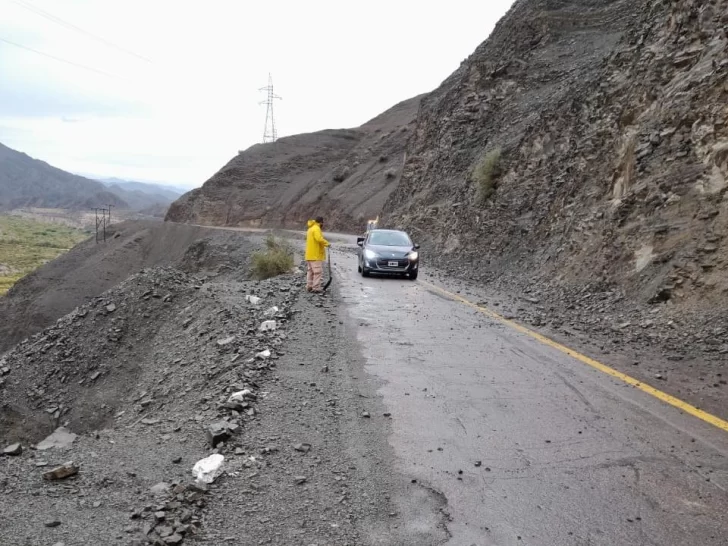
{"x": 269, "y": 133}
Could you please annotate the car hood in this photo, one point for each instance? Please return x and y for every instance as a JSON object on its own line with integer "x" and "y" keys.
{"x": 390, "y": 251}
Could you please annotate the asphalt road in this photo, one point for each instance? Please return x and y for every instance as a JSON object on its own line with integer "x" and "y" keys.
{"x": 530, "y": 446}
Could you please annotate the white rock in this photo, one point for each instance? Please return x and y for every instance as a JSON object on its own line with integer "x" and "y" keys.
{"x": 209, "y": 468}
{"x": 268, "y": 325}
{"x": 240, "y": 396}
{"x": 61, "y": 437}
{"x": 255, "y": 300}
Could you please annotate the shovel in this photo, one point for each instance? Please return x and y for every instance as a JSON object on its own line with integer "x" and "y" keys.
{"x": 330, "y": 277}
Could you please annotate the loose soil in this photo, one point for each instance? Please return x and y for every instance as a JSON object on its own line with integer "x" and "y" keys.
{"x": 142, "y": 370}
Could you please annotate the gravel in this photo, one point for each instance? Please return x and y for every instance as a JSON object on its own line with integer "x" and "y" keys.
{"x": 122, "y": 395}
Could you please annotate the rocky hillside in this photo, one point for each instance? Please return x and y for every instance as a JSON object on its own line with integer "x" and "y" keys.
{"x": 581, "y": 149}
{"x": 346, "y": 175}
{"x": 605, "y": 122}
{"x": 28, "y": 182}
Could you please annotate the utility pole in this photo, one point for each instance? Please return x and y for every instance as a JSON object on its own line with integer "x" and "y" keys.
{"x": 269, "y": 132}
{"x": 109, "y": 212}
{"x": 101, "y": 221}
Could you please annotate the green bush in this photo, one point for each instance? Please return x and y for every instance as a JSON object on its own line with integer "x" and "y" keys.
{"x": 276, "y": 259}
{"x": 486, "y": 173}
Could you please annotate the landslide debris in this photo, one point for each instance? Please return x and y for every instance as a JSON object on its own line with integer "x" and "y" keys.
{"x": 140, "y": 375}
{"x": 107, "y": 412}
{"x": 139, "y": 353}
{"x": 90, "y": 268}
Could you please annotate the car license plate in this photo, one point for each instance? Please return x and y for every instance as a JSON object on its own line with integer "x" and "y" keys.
{"x": 393, "y": 264}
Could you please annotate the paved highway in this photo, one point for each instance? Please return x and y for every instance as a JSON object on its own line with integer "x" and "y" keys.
{"x": 529, "y": 445}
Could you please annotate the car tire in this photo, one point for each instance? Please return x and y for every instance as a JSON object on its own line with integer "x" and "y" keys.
{"x": 364, "y": 272}
{"x": 413, "y": 276}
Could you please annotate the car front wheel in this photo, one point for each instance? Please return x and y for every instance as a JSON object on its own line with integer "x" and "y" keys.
{"x": 413, "y": 276}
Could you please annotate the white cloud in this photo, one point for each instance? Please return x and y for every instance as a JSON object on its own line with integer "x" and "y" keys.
{"x": 181, "y": 117}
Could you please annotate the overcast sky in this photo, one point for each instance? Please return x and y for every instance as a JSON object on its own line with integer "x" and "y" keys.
{"x": 171, "y": 93}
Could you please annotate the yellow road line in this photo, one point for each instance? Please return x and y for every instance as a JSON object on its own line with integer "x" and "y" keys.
{"x": 676, "y": 402}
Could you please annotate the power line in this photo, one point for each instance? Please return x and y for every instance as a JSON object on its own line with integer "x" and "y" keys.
{"x": 58, "y": 20}
{"x": 58, "y": 58}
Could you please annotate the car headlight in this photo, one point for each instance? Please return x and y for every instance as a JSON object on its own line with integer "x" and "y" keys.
{"x": 369, "y": 254}
{"x": 413, "y": 256}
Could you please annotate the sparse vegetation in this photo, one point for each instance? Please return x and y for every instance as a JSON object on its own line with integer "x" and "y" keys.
{"x": 485, "y": 174}
{"x": 341, "y": 173}
{"x": 390, "y": 173}
{"x": 275, "y": 260}
{"x": 27, "y": 244}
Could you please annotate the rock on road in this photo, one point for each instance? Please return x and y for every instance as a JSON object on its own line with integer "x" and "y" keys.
{"x": 529, "y": 445}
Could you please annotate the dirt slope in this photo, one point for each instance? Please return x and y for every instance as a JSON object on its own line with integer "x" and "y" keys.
{"x": 141, "y": 373}
{"x": 346, "y": 175}
{"x": 89, "y": 269}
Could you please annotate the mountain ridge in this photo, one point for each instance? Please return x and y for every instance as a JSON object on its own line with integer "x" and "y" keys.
{"x": 26, "y": 182}
{"x": 29, "y": 182}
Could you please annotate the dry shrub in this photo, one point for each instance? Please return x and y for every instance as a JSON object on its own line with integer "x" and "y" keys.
{"x": 486, "y": 173}
{"x": 341, "y": 174}
{"x": 276, "y": 259}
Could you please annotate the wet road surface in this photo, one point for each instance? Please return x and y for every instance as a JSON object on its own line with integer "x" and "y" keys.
{"x": 529, "y": 445}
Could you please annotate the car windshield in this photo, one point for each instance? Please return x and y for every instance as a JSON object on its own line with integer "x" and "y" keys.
{"x": 389, "y": 238}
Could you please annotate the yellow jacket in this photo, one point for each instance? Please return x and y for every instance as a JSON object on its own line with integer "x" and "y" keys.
{"x": 315, "y": 243}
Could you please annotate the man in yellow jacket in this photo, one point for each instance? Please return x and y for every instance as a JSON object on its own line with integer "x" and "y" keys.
{"x": 315, "y": 255}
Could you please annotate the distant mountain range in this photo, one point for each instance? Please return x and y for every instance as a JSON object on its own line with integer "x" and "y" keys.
{"x": 170, "y": 192}
{"x": 28, "y": 182}
{"x": 141, "y": 196}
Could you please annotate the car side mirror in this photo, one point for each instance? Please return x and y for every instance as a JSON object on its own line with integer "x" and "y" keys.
{"x": 360, "y": 241}
{"x": 416, "y": 247}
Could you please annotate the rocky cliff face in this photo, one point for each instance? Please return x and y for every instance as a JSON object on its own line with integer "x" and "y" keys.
{"x": 611, "y": 121}
{"x": 344, "y": 175}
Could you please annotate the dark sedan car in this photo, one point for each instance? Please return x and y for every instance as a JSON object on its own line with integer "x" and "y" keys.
{"x": 388, "y": 251}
